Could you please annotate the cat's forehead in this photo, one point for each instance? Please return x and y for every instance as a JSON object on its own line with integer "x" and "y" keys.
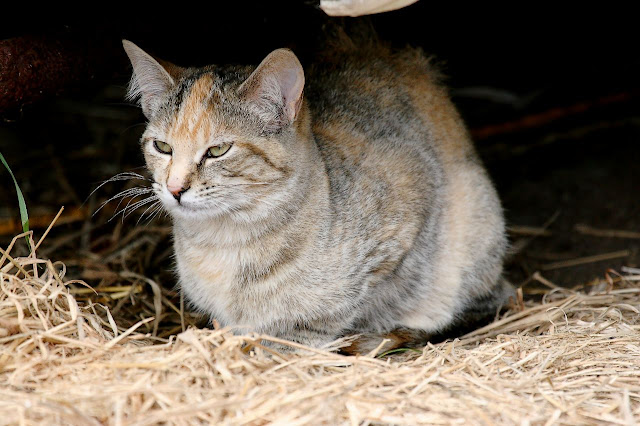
{"x": 202, "y": 107}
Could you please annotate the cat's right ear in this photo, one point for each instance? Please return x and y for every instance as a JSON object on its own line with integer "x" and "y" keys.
{"x": 274, "y": 89}
{"x": 150, "y": 80}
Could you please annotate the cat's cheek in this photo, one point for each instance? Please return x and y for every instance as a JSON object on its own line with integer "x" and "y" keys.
{"x": 157, "y": 165}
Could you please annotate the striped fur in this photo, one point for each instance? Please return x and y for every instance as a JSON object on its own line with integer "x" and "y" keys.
{"x": 358, "y": 207}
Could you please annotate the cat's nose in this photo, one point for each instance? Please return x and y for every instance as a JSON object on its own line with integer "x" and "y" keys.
{"x": 177, "y": 191}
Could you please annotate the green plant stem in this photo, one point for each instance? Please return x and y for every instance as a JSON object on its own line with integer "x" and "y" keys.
{"x": 24, "y": 215}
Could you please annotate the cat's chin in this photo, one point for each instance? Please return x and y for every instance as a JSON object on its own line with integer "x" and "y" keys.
{"x": 188, "y": 208}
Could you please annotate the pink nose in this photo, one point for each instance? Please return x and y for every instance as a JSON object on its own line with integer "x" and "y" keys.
{"x": 177, "y": 191}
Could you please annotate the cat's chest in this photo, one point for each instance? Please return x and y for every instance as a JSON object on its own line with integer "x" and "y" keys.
{"x": 215, "y": 280}
{"x": 209, "y": 277}
{"x": 211, "y": 266}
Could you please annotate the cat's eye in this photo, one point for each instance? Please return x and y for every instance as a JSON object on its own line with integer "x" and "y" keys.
{"x": 162, "y": 147}
{"x": 218, "y": 151}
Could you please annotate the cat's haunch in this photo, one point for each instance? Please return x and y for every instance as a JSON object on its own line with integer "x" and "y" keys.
{"x": 310, "y": 205}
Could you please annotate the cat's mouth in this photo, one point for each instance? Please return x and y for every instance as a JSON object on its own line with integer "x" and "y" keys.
{"x": 183, "y": 203}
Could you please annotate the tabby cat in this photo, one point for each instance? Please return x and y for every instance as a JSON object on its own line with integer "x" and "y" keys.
{"x": 312, "y": 204}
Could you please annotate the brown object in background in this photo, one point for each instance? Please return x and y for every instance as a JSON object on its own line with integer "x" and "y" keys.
{"x": 33, "y": 68}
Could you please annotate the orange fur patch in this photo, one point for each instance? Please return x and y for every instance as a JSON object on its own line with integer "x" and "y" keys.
{"x": 191, "y": 119}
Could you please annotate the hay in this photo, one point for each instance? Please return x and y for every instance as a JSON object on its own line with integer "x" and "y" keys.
{"x": 571, "y": 357}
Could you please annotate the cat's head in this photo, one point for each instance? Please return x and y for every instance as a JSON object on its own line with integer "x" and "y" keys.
{"x": 220, "y": 140}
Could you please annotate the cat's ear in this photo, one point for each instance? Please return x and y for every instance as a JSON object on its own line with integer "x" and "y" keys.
{"x": 274, "y": 89}
{"x": 151, "y": 80}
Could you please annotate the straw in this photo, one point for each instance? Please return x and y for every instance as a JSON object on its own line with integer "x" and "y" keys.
{"x": 69, "y": 356}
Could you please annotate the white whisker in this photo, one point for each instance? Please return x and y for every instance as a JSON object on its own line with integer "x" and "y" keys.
{"x": 119, "y": 177}
{"x": 133, "y": 197}
{"x": 158, "y": 211}
{"x": 139, "y": 190}
{"x": 130, "y": 192}
{"x": 137, "y": 205}
{"x": 152, "y": 206}
{"x": 153, "y": 216}
{"x": 130, "y": 208}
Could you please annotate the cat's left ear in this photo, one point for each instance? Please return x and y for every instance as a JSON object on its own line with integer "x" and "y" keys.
{"x": 274, "y": 89}
{"x": 151, "y": 79}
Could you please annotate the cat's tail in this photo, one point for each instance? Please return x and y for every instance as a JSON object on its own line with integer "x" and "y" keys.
{"x": 383, "y": 342}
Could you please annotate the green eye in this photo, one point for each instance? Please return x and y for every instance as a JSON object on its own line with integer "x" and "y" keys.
{"x": 162, "y": 147}
{"x": 218, "y": 151}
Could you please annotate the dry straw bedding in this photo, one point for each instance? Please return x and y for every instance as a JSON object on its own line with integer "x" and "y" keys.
{"x": 571, "y": 358}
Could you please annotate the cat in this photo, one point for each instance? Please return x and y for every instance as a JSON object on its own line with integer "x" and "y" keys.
{"x": 343, "y": 200}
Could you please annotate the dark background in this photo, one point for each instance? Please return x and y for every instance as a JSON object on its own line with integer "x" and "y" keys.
{"x": 551, "y": 97}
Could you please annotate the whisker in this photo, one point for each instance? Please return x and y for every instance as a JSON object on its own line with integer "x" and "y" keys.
{"x": 119, "y": 177}
{"x": 123, "y": 194}
{"x": 247, "y": 184}
{"x": 155, "y": 212}
{"x": 133, "y": 197}
{"x": 137, "y": 205}
{"x": 124, "y": 209}
{"x": 159, "y": 210}
{"x": 147, "y": 209}
{"x": 226, "y": 207}
{"x": 222, "y": 188}
{"x": 117, "y": 212}
{"x": 241, "y": 184}
{"x": 130, "y": 208}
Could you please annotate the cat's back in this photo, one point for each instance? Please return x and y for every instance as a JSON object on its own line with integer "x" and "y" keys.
{"x": 375, "y": 99}
{"x": 382, "y": 119}
{"x": 365, "y": 90}
{"x": 394, "y": 142}
{"x": 373, "y": 139}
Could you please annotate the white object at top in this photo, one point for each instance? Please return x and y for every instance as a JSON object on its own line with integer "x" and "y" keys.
{"x": 361, "y": 7}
